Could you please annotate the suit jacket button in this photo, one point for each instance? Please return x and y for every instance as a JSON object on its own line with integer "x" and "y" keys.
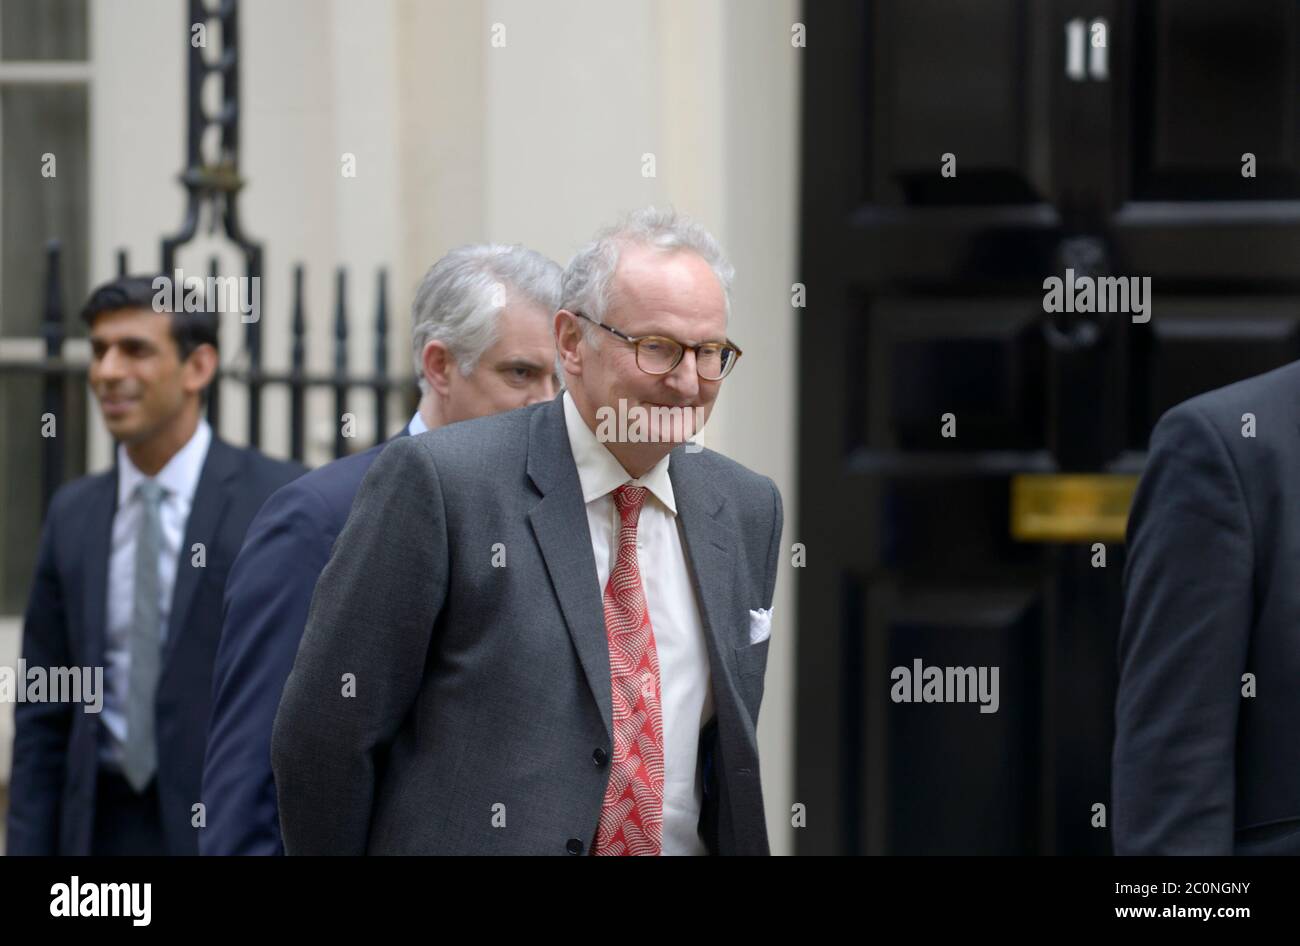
{"x": 600, "y": 757}
{"x": 574, "y": 846}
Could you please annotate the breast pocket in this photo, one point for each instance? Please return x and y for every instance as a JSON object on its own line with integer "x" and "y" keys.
{"x": 752, "y": 658}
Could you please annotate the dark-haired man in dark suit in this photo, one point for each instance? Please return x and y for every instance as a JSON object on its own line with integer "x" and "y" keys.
{"x": 1208, "y": 708}
{"x": 129, "y": 579}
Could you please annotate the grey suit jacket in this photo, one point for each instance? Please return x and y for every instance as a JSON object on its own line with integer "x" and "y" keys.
{"x": 441, "y": 704}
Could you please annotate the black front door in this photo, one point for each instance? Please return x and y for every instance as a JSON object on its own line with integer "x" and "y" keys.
{"x": 967, "y": 435}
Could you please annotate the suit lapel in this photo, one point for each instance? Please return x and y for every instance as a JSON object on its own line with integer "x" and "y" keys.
{"x": 559, "y": 523}
{"x": 710, "y": 545}
{"x": 99, "y": 547}
{"x": 711, "y": 558}
{"x": 206, "y": 513}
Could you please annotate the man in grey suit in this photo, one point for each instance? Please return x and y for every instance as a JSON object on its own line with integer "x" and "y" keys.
{"x": 478, "y": 351}
{"x": 545, "y": 632}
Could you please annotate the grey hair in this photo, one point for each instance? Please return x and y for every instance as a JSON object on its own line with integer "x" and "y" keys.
{"x": 590, "y": 274}
{"x": 462, "y": 295}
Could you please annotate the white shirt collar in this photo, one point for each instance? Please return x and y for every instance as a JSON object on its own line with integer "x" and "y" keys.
{"x": 417, "y": 425}
{"x": 600, "y": 473}
{"x": 180, "y": 477}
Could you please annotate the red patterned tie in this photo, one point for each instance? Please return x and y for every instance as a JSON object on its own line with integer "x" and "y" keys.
{"x": 632, "y": 817}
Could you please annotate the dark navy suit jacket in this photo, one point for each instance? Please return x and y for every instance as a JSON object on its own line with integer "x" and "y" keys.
{"x": 56, "y": 745}
{"x": 267, "y": 599}
{"x": 1212, "y": 593}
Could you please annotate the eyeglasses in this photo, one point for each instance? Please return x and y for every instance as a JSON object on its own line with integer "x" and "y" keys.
{"x": 658, "y": 354}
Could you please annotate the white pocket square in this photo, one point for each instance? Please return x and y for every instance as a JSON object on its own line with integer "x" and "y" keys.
{"x": 760, "y": 625}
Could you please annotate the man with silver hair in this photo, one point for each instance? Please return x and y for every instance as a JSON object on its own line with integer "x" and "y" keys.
{"x": 481, "y": 343}
{"x": 487, "y": 311}
{"x": 562, "y": 627}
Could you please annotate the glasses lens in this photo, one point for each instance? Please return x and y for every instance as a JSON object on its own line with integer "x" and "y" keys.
{"x": 714, "y": 361}
{"x": 657, "y": 355}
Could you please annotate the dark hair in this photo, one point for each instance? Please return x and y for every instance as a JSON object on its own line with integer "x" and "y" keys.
{"x": 189, "y": 329}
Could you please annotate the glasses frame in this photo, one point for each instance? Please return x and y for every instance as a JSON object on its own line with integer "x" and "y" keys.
{"x": 682, "y": 346}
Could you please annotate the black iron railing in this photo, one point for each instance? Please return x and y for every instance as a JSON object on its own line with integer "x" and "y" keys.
{"x": 298, "y": 378}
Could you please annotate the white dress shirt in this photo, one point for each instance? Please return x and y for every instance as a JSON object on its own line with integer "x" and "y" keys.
{"x": 416, "y": 426}
{"x": 685, "y": 686}
{"x": 179, "y": 478}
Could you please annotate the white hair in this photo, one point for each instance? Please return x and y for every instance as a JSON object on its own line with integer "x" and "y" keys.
{"x": 589, "y": 275}
{"x": 463, "y": 294}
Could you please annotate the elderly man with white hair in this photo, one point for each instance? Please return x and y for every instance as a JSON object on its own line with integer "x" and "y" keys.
{"x": 557, "y": 626}
{"x": 482, "y": 344}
